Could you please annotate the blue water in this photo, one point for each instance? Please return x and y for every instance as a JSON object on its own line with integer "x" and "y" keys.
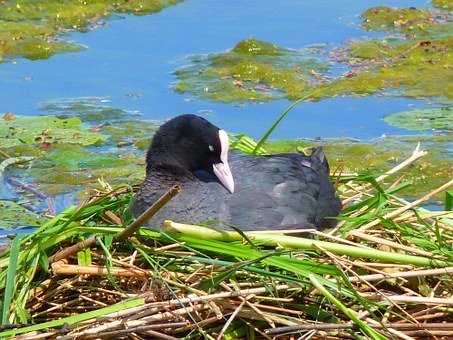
{"x": 131, "y": 60}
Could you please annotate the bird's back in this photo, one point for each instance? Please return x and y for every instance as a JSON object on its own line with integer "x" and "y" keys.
{"x": 277, "y": 191}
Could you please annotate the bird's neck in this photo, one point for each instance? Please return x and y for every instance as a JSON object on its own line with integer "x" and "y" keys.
{"x": 165, "y": 162}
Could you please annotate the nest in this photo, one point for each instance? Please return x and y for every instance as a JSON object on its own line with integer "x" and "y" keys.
{"x": 383, "y": 272}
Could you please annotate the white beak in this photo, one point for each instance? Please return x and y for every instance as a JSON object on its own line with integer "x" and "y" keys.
{"x": 222, "y": 169}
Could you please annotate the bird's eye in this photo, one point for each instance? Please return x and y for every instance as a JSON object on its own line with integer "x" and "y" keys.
{"x": 211, "y": 148}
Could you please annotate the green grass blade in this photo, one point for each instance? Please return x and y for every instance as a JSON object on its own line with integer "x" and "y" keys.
{"x": 11, "y": 278}
{"x": 373, "y": 334}
{"x": 278, "y": 121}
{"x": 275, "y": 124}
{"x": 449, "y": 200}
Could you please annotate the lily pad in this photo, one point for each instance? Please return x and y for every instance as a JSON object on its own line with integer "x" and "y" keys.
{"x": 13, "y": 215}
{"x": 46, "y": 130}
{"x": 422, "y": 120}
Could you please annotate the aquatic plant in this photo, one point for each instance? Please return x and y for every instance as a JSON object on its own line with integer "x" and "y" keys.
{"x": 32, "y": 28}
{"x": 253, "y": 70}
{"x": 15, "y": 215}
{"x": 45, "y": 130}
{"x": 422, "y": 120}
{"x": 417, "y": 65}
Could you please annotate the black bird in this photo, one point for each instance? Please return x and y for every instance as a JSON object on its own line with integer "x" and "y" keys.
{"x": 283, "y": 191}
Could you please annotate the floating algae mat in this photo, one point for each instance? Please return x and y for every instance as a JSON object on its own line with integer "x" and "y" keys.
{"x": 31, "y": 28}
{"x": 422, "y": 120}
{"x": 86, "y": 141}
{"x": 19, "y": 130}
{"x": 417, "y": 64}
{"x": 14, "y": 215}
{"x": 252, "y": 70}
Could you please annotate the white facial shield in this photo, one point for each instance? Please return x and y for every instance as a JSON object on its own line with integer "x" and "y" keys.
{"x": 222, "y": 169}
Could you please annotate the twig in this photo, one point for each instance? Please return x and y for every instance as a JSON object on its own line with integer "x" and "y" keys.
{"x": 15, "y": 182}
{"x": 70, "y": 269}
{"x": 139, "y": 329}
{"x": 412, "y": 299}
{"x": 150, "y": 212}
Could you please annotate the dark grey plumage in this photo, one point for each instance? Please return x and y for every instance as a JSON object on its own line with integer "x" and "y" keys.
{"x": 278, "y": 191}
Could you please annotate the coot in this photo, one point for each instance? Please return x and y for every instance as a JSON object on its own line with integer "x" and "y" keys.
{"x": 224, "y": 188}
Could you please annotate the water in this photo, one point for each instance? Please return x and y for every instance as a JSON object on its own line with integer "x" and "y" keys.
{"x": 131, "y": 60}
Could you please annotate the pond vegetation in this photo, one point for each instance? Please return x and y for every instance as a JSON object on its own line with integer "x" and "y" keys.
{"x": 32, "y": 28}
{"x": 86, "y": 147}
{"x": 417, "y": 65}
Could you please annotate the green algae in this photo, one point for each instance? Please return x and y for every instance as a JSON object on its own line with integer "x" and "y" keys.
{"x": 256, "y": 47}
{"x": 416, "y": 65}
{"x": 71, "y": 155}
{"x": 14, "y": 215}
{"x": 31, "y": 28}
{"x": 417, "y": 68}
{"x": 75, "y": 166}
{"x": 384, "y": 18}
{"x": 443, "y": 4}
{"x": 88, "y": 109}
{"x": 381, "y": 155}
{"x": 45, "y": 130}
{"x": 424, "y": 119}
{"x": 122, "y": 127}
{"x": 252, "y": 71}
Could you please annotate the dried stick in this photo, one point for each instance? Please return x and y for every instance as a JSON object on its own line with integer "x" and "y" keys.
{"x": 230, "y": 319}
{"x": 136, "y": 323}
{"x": 150, "y": 212}
{"x": 69, "y": 269}
{"x": 15, "y": 182}
{"x": 139, "y": 329}
{"x": 412, "y": 299}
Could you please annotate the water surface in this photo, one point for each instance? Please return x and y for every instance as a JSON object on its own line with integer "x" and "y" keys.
{"x": 131, "y": 59}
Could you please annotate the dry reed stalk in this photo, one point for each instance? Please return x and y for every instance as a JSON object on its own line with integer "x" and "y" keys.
{"x": 139, "y": 329}
{"x": 349, "y": 325}
{"x": 126, "y": 324}
{"x": 391, "y": 244}
{"x": 404, "y": 299}
{"x": 70, "y": 269}
{"x": 230, "y": 320}
{"x": 414, "y": 273}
